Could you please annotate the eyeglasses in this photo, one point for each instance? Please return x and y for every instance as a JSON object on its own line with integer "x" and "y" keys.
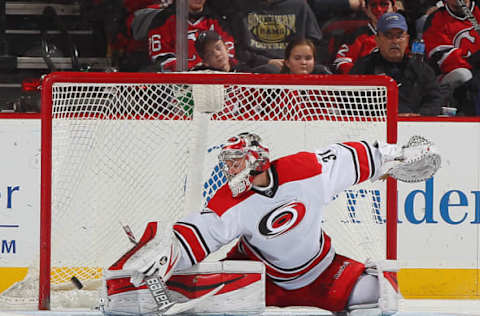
{"x": 392, "y": 36}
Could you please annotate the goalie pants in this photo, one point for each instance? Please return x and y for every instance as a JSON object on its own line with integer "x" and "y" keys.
{"x": 330, "y": 291}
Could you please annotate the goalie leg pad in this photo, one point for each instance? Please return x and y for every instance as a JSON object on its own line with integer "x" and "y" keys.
{"x": 243, "y": 289}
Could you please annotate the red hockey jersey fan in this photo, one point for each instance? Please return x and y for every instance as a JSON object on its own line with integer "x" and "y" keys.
{"x": 162, "y": 37}
{"x": 363, "y": 43}
{"x": 450, "y": 38}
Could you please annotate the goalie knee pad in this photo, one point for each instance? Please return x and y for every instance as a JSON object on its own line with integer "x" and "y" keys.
{"x": 389, "y": 294}
{"x": 376, "y": 291}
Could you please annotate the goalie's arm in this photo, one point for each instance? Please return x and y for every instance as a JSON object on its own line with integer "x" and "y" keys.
{"x": 162, "y": 250}
{"x": 348, "y": 163}
{"x": 202, "y": 233}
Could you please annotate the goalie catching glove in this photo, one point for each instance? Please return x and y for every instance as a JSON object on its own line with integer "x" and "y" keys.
{"x": 416, "y": 161}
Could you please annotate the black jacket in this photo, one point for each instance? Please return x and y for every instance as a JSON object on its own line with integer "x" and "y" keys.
{"x": 418, "y": 89}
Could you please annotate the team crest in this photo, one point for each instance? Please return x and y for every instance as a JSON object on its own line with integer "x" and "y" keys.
{"x": 281, "y": 219}
{"x": 467, "y": 40}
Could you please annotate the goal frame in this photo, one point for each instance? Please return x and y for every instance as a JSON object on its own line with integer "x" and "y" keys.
{"x": 194, "y": 78}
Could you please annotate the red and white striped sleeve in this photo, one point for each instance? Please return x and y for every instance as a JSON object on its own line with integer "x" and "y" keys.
{"x": 201, "y": 233}
{"x": 349, "y": 163}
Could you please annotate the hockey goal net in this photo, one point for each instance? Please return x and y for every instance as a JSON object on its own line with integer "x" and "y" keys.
{"x": 124, "y": 149}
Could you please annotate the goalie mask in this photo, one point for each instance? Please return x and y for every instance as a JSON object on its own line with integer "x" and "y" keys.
{"x": 242, "y": 158}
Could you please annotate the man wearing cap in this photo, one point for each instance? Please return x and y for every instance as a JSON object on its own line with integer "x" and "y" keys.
{"x": 453, "y": 45}
{"x": 419, "y": 92}
{"x": 362, "y": 42}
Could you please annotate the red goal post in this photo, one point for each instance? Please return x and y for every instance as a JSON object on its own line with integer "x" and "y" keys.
{"x": 89, "y": 116}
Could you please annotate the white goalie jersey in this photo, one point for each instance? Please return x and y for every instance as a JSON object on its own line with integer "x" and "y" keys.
{"x": 280, "y": 225}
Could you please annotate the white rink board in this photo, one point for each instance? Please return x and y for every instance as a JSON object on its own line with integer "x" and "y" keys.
{"x": 19, "y": 192}
{"x": 420, "y": 245}
{"x": 449, "y": 239}
{"x": 432, "y": 234}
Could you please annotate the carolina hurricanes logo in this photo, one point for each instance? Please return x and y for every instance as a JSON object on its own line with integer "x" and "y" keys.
{"x": 466, "y": 39}
{"x": 282, "y": 219}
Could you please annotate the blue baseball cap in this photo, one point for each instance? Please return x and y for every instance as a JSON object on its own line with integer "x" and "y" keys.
{"x": 391, "y": 20}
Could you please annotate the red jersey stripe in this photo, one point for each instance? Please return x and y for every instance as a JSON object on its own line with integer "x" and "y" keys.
{"x": 363, "y": 160}
{"x": 276, "y": 272}
{"x": 193, "y": 240}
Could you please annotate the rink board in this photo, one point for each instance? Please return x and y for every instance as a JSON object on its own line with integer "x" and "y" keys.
{"x": 438, "y": 259}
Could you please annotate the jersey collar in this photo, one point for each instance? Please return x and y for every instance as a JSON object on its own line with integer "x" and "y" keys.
{"x": 271, "y": 189}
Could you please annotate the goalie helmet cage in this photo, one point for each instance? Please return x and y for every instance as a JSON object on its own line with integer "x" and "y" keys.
{"x": 178, "y": 119}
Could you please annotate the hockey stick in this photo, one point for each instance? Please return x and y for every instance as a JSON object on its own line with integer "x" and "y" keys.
{"x": 165, "y": 306}
{"x": 469, "y": 15}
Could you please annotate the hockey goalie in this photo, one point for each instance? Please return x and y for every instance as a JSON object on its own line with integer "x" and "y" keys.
{"x": 283, "y": 257}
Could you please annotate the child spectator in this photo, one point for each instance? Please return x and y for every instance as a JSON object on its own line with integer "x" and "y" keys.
{"x": 162, "y": 34}
{"x": 300, "y": 58}
{"x": 214, "y": 53}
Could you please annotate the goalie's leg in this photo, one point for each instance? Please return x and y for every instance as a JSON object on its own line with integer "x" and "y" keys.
{"x": 375, "y": 293}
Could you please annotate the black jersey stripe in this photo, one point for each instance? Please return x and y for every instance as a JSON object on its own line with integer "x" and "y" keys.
{"x": 371, "y": 160}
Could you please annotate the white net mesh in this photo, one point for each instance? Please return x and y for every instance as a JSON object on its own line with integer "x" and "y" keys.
{"x": 131, "y": 153}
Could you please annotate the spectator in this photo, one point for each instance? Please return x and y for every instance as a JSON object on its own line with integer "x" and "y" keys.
{"x": 300, "y": 58}
{"x": 419, "y": 93}
{"x": 363, "y": 41}
{"x": 263, "y": 28}
{"x": 417, "y": 12}
{"x": 214, "y": 53}
{"x": 452, "y": 44}
{"x": 162, "y": 34}
{"x": 125, "y": 45}
{"x": 325, "y": 10}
